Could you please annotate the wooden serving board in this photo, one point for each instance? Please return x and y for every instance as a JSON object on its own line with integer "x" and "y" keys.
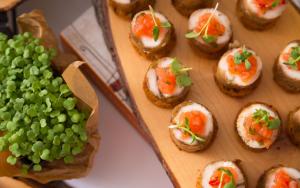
{"x": 183, "y": 167}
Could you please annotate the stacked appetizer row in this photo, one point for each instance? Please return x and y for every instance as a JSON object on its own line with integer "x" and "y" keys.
{"x": 209, "y": 30}
{"x": 229, "y": 174}
{"x": 239, "y": 69}
{"x": 254, "y": 14}
{"x": 193, "y": 127}
{"x": 167, "y": 81}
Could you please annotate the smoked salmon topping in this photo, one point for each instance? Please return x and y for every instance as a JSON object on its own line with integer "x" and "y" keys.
{"x": 208, "y": 28}
{"x": 283, "y": 180}
{"x": 196, "y": 121}
{"x": 265, "y": 5}
{"x": 243, "y": 64}
{"x": 166, "y": 80}
{"x": 215, "y": 28}
{"x": 292, "y": 58}
{"x": 172, "y": 76}
{"x": 144, "y": 26}
{"x": 260, "y": 127}
{"x": 223, "y": 176}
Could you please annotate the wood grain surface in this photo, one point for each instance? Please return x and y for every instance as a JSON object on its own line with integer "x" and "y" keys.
{"x": 183, "y": 167}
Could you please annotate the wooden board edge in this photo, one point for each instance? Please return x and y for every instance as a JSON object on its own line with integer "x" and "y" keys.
{"x": 101, "y": 10}
{"x": 296, "y": 6}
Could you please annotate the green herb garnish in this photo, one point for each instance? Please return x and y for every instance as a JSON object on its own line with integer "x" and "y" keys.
{"x": 155, "y": 30}
{"x": 186, "y": 128}
{"x": 275, "y": 3}
{"x": 294, "y": 58}
{"x": 155, "y": 33}
{"x": 263, "y": 116}
{"x": 247, "y": 64}
{"x": 209, "y": 38}
{"x": 166, "y": 25}
{"x": 240, "y": 58}
{"x": 37, "y": 109}
{"x": 231, "y": 183}
{"x": 206, "y": 38}
{"x": 181, "y": 73}
{"x": 192, "y": 34}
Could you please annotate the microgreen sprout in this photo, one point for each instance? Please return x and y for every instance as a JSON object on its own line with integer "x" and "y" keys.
{"x": 186, "y": 128}
{"x": 39, "y": 121}
{"x": 294, "y": 58}
{"x": 156, "y": 31}
{"x": 240, "y": 58}
{"x": 231, "y": 183}
{"x": 263, "y": 116}
{"x": 206, "y": 37}
{"x": 181, "y": 73}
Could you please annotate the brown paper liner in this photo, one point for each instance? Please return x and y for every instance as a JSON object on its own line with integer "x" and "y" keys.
{"x": 87, "y": 100}
{"x": 6, "y": 5}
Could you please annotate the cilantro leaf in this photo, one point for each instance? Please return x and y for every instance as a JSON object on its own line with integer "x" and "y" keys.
{"x": 295, "y": 52}
{"x": 274, "y": 123}
{"x": 294, "y": 58}
{"x": 238, "y": 58}
{"x": 155, "y": 33}
{"x": 192, "y": 35}
{"x": 166, "y": 25}
{"x": 247, "y": 65}
{"x": 261, "y": 115}
{"x": 175, "y": 66}
{"x": 183, "y": 80}
{"x": 209, "y": 38}
{"x": 292, "y": 65}
{"x": 226, "y": 171}
{"x": 187, "y": 123}
{"x": 275, "y": 3}
{"x": 230, "y": 184}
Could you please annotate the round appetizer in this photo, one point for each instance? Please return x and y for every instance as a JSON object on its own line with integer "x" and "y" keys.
{"x": 280, "y": 177}
{"x": 222, "y": 174}
{"x": 260, "y": 14}
{"x": 287, "y": 67}
{"x": 209, "y": 31}
{"x": 167, "y": 82}
{"x": 293, "y": 126}
{"x": 238, "y": 72}
{"x": 128, "y": 8}
{"x": 193, "y": 127}
{"x": 186, "y": 7}
{"x": 152, "y": 34}
{"x": 258, "y": 126}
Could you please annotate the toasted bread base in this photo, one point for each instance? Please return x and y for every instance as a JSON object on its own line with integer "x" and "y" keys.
{"x": 187, "y": 7}
{"x": 251, "y": 20}
{"x": 239, "y": 137}
{"x": 284, "y": 81}
{"x": 199, "y": 146}
{"x": 293, "y": 127}
{"x": 212, "y": 51}
{"x": 237, "y": 162}
{"x": 158, "y": 52}
{"x": 128, "y": 11}
{"x": 163, "y": 102}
